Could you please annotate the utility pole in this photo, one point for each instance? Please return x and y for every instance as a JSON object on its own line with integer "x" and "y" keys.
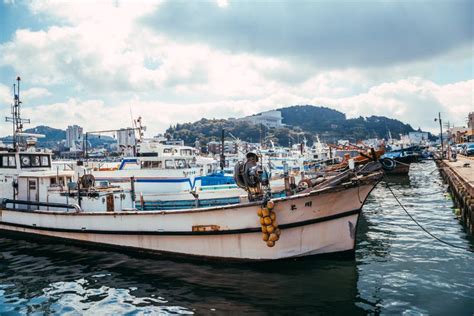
{"x": 440, "y": 133}
{"x": 222, "y": 151}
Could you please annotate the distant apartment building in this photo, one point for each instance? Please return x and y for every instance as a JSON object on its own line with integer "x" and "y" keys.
{"x": 74, "y": 137}
{"x": 269, "y": 119}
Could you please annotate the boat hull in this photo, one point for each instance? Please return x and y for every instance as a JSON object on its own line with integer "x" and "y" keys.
{"x": 312, "y": 223}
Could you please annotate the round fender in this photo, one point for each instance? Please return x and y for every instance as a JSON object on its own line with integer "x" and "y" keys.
{"x": 388, "y": 163}
{"x": 305, "y": 183}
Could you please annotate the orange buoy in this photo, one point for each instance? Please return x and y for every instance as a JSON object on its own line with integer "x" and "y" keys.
{"x": 273, "y": 237}
{"x": 270, "y": 243}
{"x": 262, "y": 222}
{"x": 270, "y": 204}
{"x": 270, "y": 229}
{"x": 264, "y": 229}
{"x": 265, "y": 212}
{"x": 265, "y": 237}
{"x": 273, "y": 216}
{"x": 259, "y": 212}
{"x": 267, "y": 220}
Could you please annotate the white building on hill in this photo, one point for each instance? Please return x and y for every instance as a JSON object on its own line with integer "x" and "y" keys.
{"x": 269, "y": 119}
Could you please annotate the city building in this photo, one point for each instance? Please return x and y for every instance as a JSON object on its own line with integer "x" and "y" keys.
{"x": 74, "y": 138}
{"x": 269, "y": 119}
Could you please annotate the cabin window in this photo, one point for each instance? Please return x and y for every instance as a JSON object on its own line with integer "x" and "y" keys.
{"x": 52, "y": 181}
{"x": 169, "y": 164}
{"x": 11, "y": 161}
{"x": 28, "y": 161}
{"x": 180, "y": 163}
{"x": 35, "y": 161}
{"x": 45, "y": 161}
{"x": 8, "y": 161}
{"x": 167, "y": 150}
{"x": 25, "y": 161}
{"x": 151, "y": 164}
{"x": 185, "y": 152}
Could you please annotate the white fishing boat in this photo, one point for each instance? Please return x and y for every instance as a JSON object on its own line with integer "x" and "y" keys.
{"x": 318, "y": 217}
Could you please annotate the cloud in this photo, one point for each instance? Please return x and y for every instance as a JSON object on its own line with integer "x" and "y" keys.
{"x": 5, "y": 94}
{"x": 327, "y": 34}
{"x": 90, "y": 62}
{"x": 414, "y": 100}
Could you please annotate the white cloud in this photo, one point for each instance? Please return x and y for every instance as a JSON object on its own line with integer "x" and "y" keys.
{"x": 414, "y": 100}
{"x": 5, "y": 94}
{"x": 108, "y": 59}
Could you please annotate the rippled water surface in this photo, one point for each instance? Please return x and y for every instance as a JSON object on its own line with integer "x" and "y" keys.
{"x": 397, "y": 269}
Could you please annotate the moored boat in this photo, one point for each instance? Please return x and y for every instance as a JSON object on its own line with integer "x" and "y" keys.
{"x": 320, "y": 221}
{"x": 316, "y": 216}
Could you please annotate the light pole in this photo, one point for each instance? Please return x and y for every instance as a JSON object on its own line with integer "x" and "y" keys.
{"x": 440, "y": 133}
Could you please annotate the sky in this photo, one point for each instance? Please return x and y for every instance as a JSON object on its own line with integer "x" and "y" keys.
{"x": 101, "y": 63}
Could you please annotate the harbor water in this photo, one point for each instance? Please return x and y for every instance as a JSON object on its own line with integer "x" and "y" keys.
{"x": 397, "y": 269}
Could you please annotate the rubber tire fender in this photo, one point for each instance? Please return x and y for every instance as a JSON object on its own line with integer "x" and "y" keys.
{"x": 388, "y": 163}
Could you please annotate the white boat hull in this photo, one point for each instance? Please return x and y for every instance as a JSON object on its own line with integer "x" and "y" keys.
{"x": 312, "y": 223}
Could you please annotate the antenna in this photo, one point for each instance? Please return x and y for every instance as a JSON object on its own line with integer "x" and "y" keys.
{"x": 15, "y": 119}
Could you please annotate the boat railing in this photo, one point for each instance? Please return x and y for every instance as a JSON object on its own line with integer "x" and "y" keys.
{"x": 4, "y": 204}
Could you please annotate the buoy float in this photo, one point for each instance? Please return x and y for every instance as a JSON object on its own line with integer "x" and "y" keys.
{"x": 273, "y": 216}
{"x": 270, "y": 205}
{"x": 273, "y": 237}
{"x": 270, "y": 231}
{"x": 267, "y": 220}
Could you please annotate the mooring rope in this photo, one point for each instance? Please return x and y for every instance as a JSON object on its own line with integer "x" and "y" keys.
{"x": 419, "y": 225}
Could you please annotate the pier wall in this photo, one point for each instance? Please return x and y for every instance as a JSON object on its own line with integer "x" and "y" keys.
{"x": 459, "y": 175}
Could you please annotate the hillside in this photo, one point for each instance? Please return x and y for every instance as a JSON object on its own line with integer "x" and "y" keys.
{"x": 300, "y": 121}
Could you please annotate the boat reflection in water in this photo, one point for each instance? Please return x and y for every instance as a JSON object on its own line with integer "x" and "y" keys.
{"x": 55, "y": 278}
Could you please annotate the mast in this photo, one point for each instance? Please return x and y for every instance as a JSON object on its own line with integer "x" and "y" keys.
{"x": 222, "y": 162}
{"x": 15, "y": 119}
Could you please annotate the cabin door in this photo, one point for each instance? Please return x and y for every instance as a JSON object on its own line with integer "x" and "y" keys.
{"x": 33, "y": 194}
{"x": 110, "y": 203}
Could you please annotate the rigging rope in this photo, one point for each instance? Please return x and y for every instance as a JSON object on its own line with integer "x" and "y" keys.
{"x": 419, "y": 225}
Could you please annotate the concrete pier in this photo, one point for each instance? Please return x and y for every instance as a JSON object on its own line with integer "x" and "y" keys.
{"x": 459, "y": 175}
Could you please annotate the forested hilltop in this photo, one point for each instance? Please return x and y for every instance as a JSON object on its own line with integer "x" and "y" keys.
{"x": 300, "y": 121}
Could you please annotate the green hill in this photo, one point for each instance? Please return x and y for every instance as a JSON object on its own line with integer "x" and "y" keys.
{"x": 300, "y": 121}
